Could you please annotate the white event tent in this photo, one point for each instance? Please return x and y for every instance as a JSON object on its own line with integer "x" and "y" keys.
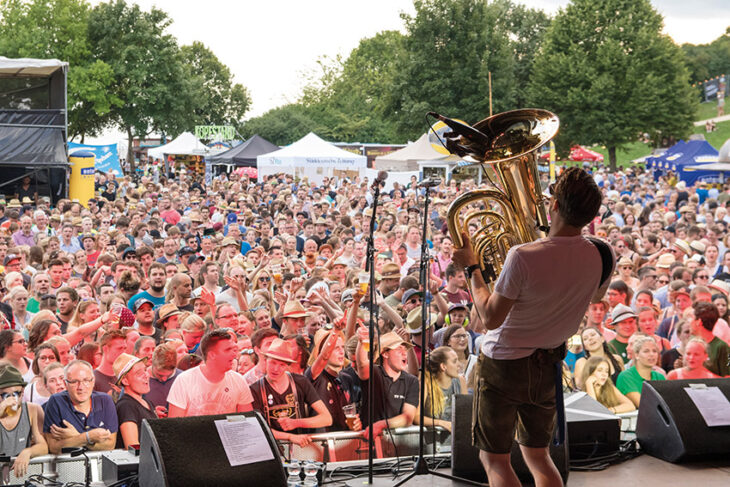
{"x": 311, "y": 157}
{"x": 185, "y": 144}
{"x": 407, "y": 158}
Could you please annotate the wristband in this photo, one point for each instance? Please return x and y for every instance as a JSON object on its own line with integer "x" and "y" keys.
{"x": 88, "y": 440}
{"x": 470, "y": 270}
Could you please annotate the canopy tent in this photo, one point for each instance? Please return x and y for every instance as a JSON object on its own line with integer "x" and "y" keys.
{"x": 33, "y": 124}
{"x": 185, "y": 144}
{"x": 407, "y": 158}
{"x": 245, "y": 154}
{"x": 580, "y": 153}
{"x": 680, "y": 156}
{"x": 311, "y": 157}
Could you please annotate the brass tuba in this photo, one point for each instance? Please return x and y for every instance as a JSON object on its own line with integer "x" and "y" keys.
{"x": 512, "y": 210}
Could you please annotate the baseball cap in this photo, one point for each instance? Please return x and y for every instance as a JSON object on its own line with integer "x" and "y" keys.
{"x": 138, "y": 304}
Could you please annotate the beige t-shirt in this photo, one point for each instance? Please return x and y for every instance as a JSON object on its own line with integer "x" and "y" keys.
{"x": 552, "y": 281}
{"x": 194, "y": 393}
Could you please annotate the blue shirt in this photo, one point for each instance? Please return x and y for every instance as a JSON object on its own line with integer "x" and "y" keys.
{"x": 103, "y": 413}
{"x": 156, "y": 302}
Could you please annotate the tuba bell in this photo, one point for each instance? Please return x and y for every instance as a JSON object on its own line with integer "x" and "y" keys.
{"x": 511, "y": 210}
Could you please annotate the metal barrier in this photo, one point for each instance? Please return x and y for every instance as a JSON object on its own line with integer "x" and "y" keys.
{"x": 61, "y": 468}
{"x": 342, "y": 446}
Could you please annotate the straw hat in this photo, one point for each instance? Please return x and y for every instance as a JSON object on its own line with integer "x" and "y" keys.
{"x": 665, "y": 261}
{"x": 280, "y": 350}
{"x": 391, "y": 270}
{"x": 14, "y": 203}
{"x": 414, "y": 323}
{"x": 720, "y": 285}
{"x": 167, "y": 310}
{"x": 27, "y": 201}
{"x": 624, "y": 261}
{"x": 294, "y": 309}
{"x": 682, "y": 246}
{"x": 392, "y": 340}
{"x": 123, "y": 364}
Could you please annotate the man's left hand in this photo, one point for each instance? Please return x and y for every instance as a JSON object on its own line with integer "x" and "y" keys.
{"x": 464, "y": 256}
{"x": 63, "y": 432}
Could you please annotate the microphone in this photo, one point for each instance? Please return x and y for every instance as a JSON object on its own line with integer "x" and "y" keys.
{"x": 429, "y": 183}
{"x": 462, "y": 129}
{"x": 380, "y": 179}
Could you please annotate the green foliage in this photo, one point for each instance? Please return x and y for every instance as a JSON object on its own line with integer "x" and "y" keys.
{"x": 526, "y": 28}
{"x": 149, "y": 69}
{"x": 451, "y": 47}
{"x": 706, "y": 61}
{"x": 58, "y": 29}
{"x": 610, "y": 75}
{"x": 216, "y": 100}
{"x": 282, "y": 125}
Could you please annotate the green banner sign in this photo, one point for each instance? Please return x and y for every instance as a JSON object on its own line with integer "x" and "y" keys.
{"x": 215, "y": 132}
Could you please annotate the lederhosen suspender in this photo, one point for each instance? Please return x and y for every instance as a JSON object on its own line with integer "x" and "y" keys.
{"x": 292, "y": 385}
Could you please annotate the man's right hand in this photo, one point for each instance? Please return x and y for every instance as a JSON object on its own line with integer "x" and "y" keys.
{"x": 301, "y": 440}
{"x": 98, "y": 435}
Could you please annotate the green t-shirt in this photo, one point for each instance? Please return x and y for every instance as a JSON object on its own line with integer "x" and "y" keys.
{"x": 718, "y": 352}
{"x": 620, "y": 349}
{"x": 33, "y": 305}
{"x": 630, "y": 381}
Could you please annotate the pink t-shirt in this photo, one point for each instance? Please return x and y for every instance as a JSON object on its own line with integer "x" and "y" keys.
{"x": 552, "y": 281}
{"x": 194, "y": 393}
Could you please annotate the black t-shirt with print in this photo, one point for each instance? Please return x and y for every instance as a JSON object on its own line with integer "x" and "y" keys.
{"x": 334, "y": 394}
{"x": 283, "y": 405}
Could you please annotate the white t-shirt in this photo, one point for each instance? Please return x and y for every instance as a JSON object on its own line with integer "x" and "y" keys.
{"x": 194, "y": 393}
{"x": 552, "y": 281}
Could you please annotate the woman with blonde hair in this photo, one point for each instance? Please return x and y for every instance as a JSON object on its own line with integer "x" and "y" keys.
{"x": 694, "y": 358}
{"x": 442, "y": 382}
{"x": 598, "y": 384}
{"x": 17, "y": 298}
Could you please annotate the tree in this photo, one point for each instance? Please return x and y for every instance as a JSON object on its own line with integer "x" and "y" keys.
{"x": 149, "y": 70}
{"x": 708, "y": 60}
{"x": 58, "y": 29}
{"x": 217, "y": 101}
{"x": 451, "y": 47}
{"x": 610, "y": 75}
{"x": 525, "y": 29}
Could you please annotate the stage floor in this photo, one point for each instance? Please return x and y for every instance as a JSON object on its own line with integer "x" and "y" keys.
{"x": 641, "y": 472}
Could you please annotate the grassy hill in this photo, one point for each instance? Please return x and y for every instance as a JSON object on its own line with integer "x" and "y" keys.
{"x": 635, "y": 150}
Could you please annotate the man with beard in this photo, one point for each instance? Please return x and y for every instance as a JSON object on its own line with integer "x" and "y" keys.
{"x": 179, "y": 291}
{"x": 156, "y": 291}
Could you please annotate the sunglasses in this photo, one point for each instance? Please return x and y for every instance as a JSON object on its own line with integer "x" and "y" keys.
{"x": 265, "y": 279}
{"x": 246, "y": 351}
{"x": 15, "y": 394}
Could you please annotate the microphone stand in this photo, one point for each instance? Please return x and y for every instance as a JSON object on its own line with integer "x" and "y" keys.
{"x": 373, "y": 322}
{"x": 421, "y": 466}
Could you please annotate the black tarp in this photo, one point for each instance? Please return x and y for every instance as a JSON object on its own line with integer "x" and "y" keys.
{"x": 244, "y": 155}
{"x": 32, "y": 137}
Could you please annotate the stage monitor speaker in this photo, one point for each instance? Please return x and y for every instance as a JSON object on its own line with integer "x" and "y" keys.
{"x": 671, "y": 427}
{"x": 465, "y": 457}
{"x": 182, "y": 452}
{"x": 593, "y": 430}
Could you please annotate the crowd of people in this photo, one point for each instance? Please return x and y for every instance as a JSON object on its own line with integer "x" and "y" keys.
{"x": 167, "y": 298}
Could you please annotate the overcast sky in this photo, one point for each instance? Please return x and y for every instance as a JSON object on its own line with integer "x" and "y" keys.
{"x": 269, "y": 44}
